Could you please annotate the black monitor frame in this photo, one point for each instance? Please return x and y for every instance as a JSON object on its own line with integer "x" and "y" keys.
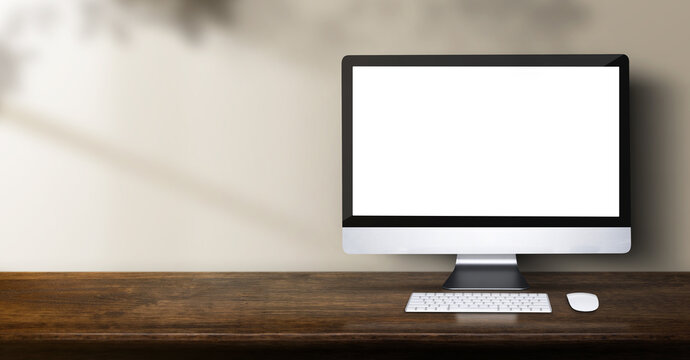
{"x": 617, "y": 60}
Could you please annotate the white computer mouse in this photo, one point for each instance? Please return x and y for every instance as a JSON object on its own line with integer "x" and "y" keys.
{"x": 584, "y": 302}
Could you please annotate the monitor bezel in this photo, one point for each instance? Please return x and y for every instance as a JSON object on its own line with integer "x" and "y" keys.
{"x": 618, "y": 60}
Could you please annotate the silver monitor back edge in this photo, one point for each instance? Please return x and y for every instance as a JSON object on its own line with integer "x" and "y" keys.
{"x": 479, "y": 240}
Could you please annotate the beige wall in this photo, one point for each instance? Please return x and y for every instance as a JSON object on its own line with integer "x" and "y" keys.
{"x": 187, "y": 135}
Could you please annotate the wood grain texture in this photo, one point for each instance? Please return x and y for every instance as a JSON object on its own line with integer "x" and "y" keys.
{"x": 360, "y": 311}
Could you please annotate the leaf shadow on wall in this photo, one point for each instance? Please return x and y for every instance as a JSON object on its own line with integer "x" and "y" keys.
{"x": 188, "y": 19}
{"x": 317, "y": 33}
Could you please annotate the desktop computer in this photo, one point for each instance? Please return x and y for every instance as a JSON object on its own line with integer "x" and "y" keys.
{"x": 485, "y": 157}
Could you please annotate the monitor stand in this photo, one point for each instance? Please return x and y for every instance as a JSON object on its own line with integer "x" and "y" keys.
{"x": 486, "y": 272}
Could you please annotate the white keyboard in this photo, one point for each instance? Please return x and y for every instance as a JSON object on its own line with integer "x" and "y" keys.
{"x": 479, "y": 302}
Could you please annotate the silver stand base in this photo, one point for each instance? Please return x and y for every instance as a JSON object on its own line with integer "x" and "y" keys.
{"x": 486, "y": 272}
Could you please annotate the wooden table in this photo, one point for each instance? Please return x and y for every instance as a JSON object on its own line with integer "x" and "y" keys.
{"x": 328, "y": 315}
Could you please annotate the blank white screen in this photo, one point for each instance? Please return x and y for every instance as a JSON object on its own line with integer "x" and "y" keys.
{"x": 485, "y": 141}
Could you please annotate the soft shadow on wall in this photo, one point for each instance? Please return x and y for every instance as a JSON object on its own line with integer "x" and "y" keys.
{"x": 318, "y": 33}
{"x": 311, "y": 31}
{"x": 118, "y": 20}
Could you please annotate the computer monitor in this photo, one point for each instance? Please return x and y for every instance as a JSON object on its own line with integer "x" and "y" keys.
{"x": 486, "y": 157}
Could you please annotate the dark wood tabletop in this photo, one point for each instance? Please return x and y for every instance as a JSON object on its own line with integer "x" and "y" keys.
{"x": 313, "y": 313}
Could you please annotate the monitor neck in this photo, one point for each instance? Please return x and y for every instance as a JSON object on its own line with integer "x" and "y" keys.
{"x": 486, "y": 272}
